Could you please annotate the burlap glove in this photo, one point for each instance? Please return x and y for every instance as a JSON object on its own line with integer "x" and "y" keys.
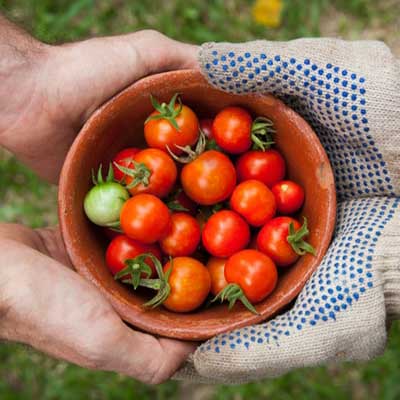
{"x": 350, "y": 94}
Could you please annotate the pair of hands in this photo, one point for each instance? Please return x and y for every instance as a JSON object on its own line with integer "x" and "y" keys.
{"x": 46, "y": 94}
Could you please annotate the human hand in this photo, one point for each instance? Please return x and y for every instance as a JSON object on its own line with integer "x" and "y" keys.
{"x": 350, "y": 94}
{"x": 48, "y": 92}
{"x": 45, "y": 304}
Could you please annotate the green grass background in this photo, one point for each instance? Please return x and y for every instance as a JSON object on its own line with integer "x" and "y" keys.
{"x": 26, "y": 374}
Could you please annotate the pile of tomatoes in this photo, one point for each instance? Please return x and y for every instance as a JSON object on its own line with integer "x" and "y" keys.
{"x": 204, "y": 209}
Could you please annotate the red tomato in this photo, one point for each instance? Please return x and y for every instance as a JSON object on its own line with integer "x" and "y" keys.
{"x": 122, "y": 248}
{"x": 190, "y": 284}
{"x": 179, "y": 201}
{"x": 225, "y": 233}
{"x": 206, "y": 127}
{"x": 209, "y": 179}
{"x": 160, "y": 133}
{"x": 254, "y": 272}
{"x": 123, "y": 158}
{"x": 183, "y": 236}
{"x": 145, "y": 218}
{"x": 272, "y": 240}
{"x": 289, "y": 196}
{"x": 253, "y": 201}
{"x": 157, "y": 173}
{"x": 266, "y": 166}
{"x": 232, "y": 130}
{"x": 216, "y": 268}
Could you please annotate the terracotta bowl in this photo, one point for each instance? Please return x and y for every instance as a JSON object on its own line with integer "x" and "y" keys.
{"x": 118, "y": 124}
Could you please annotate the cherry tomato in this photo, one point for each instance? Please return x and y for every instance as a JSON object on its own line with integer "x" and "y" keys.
{"x": 254, "y": 272}
{"x": 145, "y": 218}
{"x": 155, "y": 173}
{"x": 253, "y": 201}
{"x": 225, "y": 233}
{"x": 265, "y": 166}
{"x": 123, "y": 158}
{"x": 272, "y": 240}
{"x": 183, "y": 236}
{"x": 216, "y": 268}
{"x": 179, "y": 201}
{"x": 206, "y": 127}
{"x": 190, "y": 284}
{"x": 289, "y": 196}
{"x": 122, "y": 248}
{"x": 160, "y": 133}
{"x": 231, "y": 130}
{"x": 209, "y": 179}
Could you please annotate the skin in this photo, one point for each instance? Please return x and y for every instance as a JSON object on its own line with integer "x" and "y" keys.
{"x": 216, "y": 268}
{"x": 58, "y": 88}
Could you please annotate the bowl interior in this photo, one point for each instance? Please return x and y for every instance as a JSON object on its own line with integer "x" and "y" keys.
{"x": 118, "y": 124}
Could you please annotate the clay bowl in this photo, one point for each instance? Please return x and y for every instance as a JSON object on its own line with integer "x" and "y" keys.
{"x": 118, "y": 124}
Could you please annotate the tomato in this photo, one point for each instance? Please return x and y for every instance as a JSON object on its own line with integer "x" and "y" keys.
{"x": 183, "y": 236}
{"x": 216, "y": 268}
{"x": 206, "y": 127}
{"x": 254, "y": 272}
{"x": 275, "y": 240}
{"x": 253, "y": 201}
{"x": 154, "y": 172}
{"x": 179, "y": 201}
{"x": 231, "y": 130}
{"x": 145, "y": 218}
{"x": 289, "y": 196}
{"x": 170, "y": 125}
{"x": 123, "y": 158}
{"x": 189, "y": 282}
{"x": 209, "y": 179}
{"x": 225, "y": 233}
{"x": 122, "y": 248}
{"x": 265, "y": 166}
{"x": 103, "y": 202}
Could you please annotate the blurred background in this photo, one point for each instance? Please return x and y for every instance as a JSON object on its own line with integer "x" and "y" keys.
{"x": 24, "y": 198}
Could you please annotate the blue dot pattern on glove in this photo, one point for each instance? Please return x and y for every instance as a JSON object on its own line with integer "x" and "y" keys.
{"x": 333, "y": 101}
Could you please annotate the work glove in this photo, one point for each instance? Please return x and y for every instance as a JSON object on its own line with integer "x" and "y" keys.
{"x": 350, "y": 94}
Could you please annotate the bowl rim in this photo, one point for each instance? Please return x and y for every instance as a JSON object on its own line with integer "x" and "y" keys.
{"x": 143, "y": 322}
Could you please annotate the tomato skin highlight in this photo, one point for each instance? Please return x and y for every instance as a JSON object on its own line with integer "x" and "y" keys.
{"x": 209, "y": 179}
{"x": 225, "y": 233}
{"x": 254, "y": 202}
{"x": 289, "y": 196}
{"x": 254, "y": 272}
{"x": 272, "y": 240}
{"x": 216, "y": 268}
{"x": 122, "y": 248}
{"x": 231, "y": 130}
{"x": 190, "y": 284}
{"x": 163, "y": 173}
{"x": 268, "y": 167}
{"x": 145, "y": 218}
{"x": 123, "y": 158}
{"x": 183, "y": 237}
{"x": 160, "y": 133}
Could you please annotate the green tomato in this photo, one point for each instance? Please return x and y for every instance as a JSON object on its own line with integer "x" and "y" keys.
{"x": 103, "y": 203}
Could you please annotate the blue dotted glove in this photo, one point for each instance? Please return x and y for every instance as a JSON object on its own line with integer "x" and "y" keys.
{"x": 350, "y": 93}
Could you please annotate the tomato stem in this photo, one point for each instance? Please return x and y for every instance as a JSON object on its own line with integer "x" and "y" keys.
{"x": 190, "y": 153}
{"x": 134, "y": 268}
{"x": 262, "y": 130}
{"x": 166, "y": 111}
{"x": 233, "y": 292}
{"x": 141, "y": 174}
{"x": 296, "y": 239}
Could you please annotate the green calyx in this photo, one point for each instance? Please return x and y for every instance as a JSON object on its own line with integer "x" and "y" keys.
{"x": 296, "y": 239}
{"x": 231, "y": 293}
{"x": 166, "y": 111}
{"x": 190, "y": 153}
{"x": 140, "y": 173}
{"x": 262, "y": 130}
{"x": 135, "y": 267}
{"x": 99, "y": 179}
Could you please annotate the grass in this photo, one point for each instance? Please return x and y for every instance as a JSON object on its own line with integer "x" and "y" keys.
{"x": 26, "y": 374}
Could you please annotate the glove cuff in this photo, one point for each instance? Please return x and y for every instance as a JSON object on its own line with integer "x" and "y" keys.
{"x": 387, "y": 260}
